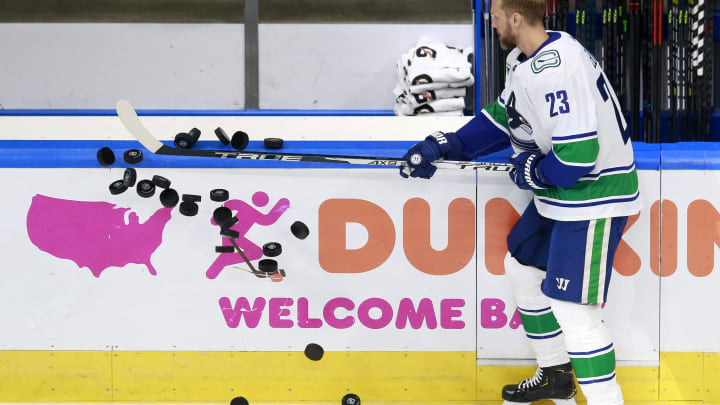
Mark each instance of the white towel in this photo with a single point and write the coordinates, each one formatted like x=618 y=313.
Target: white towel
x=420 y=88
x=443 y=105
x=429 y=95
x=438 y=53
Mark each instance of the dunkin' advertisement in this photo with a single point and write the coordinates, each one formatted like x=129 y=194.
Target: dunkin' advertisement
x=384 y=263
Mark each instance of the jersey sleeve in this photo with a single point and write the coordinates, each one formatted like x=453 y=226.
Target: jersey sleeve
x=565 y=101
x=486 y=133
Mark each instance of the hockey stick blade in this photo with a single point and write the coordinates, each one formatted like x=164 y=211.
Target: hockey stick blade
x=128 y=116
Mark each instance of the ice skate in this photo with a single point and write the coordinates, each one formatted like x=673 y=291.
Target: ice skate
x=555 y=383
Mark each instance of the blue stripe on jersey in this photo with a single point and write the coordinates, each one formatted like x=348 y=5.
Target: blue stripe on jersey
x=481 y=137
x=533 y=310
x=599 y=380
x=609 y=170
x=576 y=136
x=589 y=204
x=560 y=174
x=544 y=337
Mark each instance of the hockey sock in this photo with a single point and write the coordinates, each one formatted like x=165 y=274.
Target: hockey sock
x=591 y=351
x=543 y=331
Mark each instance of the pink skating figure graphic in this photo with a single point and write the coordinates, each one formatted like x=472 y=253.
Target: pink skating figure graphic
x=247 y=216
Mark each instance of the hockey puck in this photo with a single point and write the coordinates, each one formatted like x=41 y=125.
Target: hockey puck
x=222 y=136
x=224 y=249
x=232 y=234
x=272 y=249
x=129 y=177
x=273 y=143
x=219 y=195
x=299 y=229
x=222 y=214
x=229 y=223
x=240 y=140
x=169 y=197
x=314 y=351
x=105 y=156
x=268 y=265
x=160 y=181
x=187 y=140
x=191 y=198
x=239 y=401
x=188 y=209
x=133 y=156
x=117 y=187
x=351 y=399
x=145 y=188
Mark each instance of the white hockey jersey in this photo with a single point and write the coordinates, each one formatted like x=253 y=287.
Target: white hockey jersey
x=558 y=102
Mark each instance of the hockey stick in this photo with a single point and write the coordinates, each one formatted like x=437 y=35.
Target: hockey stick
x=132 y=123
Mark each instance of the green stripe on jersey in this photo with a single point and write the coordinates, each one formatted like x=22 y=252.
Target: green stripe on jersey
x=595 y=262
x=597 y=366
x=584 y=151
x=497 y=112
x=539 y=324
x=621 y=184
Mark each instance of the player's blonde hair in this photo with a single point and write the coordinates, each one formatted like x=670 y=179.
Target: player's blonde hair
x=532 y=10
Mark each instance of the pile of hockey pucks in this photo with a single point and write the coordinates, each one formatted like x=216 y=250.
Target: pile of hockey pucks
x=146 y=188
x=239 y=139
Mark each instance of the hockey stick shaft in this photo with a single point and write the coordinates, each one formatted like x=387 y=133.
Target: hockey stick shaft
x=132 y=123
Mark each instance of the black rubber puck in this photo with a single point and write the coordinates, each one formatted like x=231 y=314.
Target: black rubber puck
x=222 y=136
x=191 y=198
x=240 y=140
x=239 y=401
x=230 y=233
x=117 y=187
x=129 y=177
x=222 y=214
x=161 y=181
x=133 y=156
x=268 y=265
x=145 y=188
x=219 y=195
x=229 y=223
x=105 y=156
x=224 y=249
x=273 y=143
x=351 y=399
x=188 y=209
x=314 y=351
x=272 y=249
x=169 y=197
x=300 y=230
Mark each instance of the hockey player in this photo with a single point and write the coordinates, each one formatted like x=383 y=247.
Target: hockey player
x=572 y=150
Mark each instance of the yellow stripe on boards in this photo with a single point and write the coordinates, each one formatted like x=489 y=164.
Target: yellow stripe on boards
x=290 y=377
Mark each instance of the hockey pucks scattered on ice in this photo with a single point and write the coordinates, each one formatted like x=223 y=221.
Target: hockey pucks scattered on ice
x=300 y=230
x=219 y=195
x=188 y=209
x=240 y=140
x=224 y=249
x=273 y=143
x=239 y=401
x=133 y=156
x=272 y=249
x=169 y=197
x=129 y=177
x=191 y=198
x=222 y=214
x=268 y=265
x=222 y=136
x=314 y=351
x=230 y=233
x=105 y=156
x=117 y=187
x=351 y=399
x=145 y=188
x=161 y=181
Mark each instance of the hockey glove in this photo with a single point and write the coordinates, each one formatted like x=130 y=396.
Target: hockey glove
x=526 y=173
x=420 y=156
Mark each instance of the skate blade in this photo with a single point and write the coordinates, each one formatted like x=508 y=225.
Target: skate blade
x=570 y=401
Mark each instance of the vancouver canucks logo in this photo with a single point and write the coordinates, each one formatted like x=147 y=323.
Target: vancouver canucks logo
x=545 y=60
x=515 y=119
